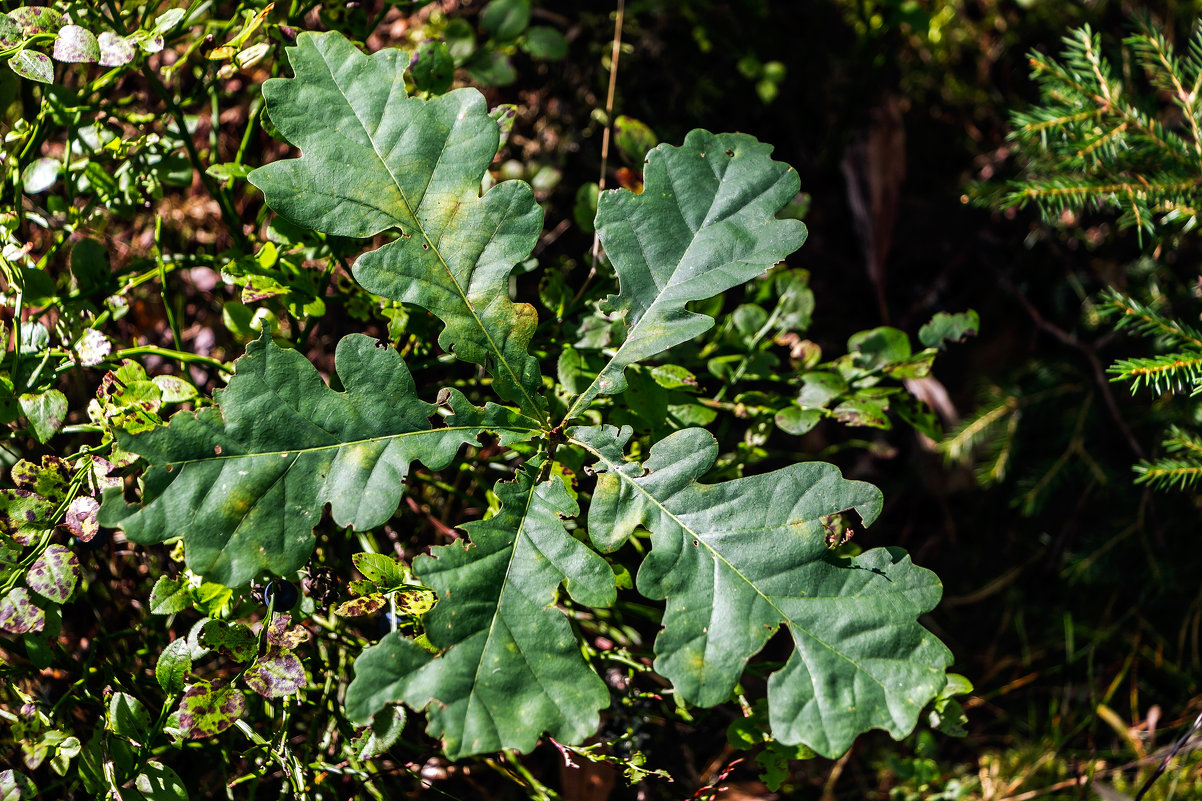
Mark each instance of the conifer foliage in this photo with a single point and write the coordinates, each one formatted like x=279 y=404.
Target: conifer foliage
x=1118 y=133
x=1093 y=141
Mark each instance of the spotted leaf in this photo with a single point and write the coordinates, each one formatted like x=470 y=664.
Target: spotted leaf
x=276 y=674
x=54 y=574
x=209 y=708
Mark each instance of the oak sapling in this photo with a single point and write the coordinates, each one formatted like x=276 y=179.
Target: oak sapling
x=499 y=664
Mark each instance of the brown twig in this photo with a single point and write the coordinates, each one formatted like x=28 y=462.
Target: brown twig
x=615 y=54
x=1099 y=373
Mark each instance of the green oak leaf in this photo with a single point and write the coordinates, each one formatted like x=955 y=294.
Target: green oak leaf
x=244 y=483
x=374 y=160
x=704 y=223
x=511 y=667
x=736 y=560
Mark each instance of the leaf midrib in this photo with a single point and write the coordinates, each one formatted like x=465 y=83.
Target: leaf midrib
x=585 y=398
x=718 y=556
x=500 y=356
x=284 y=452
x=518 y=534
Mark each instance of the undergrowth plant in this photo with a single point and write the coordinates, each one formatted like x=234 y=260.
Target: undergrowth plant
x=1122 y=134
x=529 y=526
x=1110 y=155
x=499 y=661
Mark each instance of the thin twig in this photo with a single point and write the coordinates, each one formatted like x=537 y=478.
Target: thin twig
x=615 y=54
x=1098 y=372
x=1164 y=763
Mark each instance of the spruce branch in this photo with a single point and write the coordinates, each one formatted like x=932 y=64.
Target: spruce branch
x=1092 y=142
x=1169 y=372
x=1142 y=319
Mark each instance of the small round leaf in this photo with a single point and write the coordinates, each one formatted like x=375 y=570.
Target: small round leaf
x=432 y=67
x=209 y=708
x=127 y=717
x=157 y=782
x=174 y=665
x=19 y=615
x=545 y=43
x=33 y=66
x=53 y=575
x=77 y=45
x=40 y=175
x=115 y=50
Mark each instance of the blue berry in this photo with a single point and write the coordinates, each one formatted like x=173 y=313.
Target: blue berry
x=284 y=593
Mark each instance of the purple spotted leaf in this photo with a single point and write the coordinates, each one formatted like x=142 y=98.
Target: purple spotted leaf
x=23 y=515
x=81 y=518
x=19 y=615
x=28 y=510
x=77 y=45
x=15 y=786
x=432 y=67
x=102 y=470
x=37 y=19
x=10 y=552
x=174 y=389
x=33 y=66
x=209 y=708
x=504 y=114
x=415 y=601
x=10 y=32
x=47 y=410
x=234 y=640
x=279 y=634
x=53 y=575
x=276 y=674
x=357 y=607
x=115 y=50
x=362 y=587
x=51 y=479
x=93 y=348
